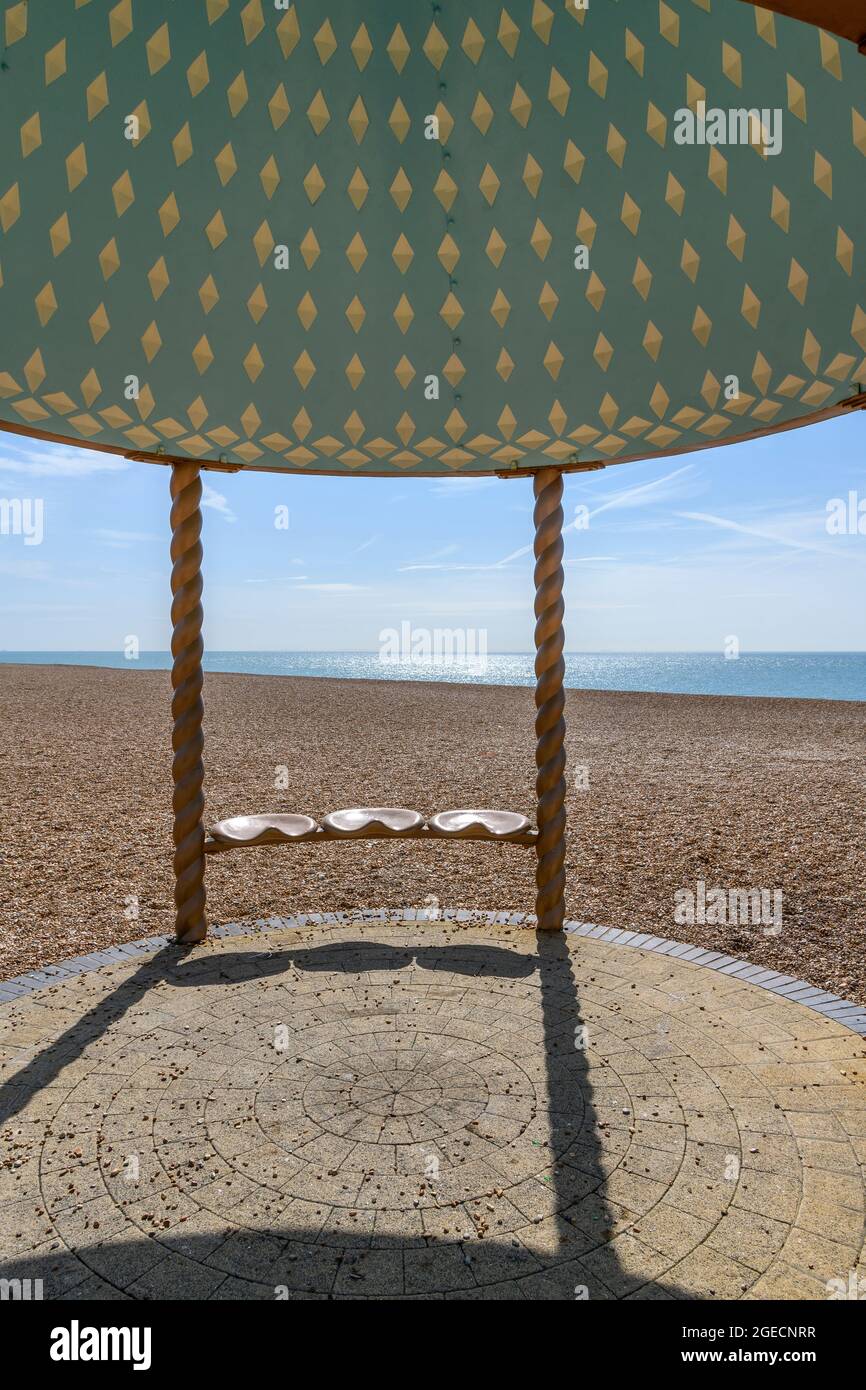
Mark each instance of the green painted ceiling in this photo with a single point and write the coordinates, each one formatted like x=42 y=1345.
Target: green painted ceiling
x=261 y=127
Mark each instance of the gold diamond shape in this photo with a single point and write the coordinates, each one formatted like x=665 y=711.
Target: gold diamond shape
x=445 y=190
x=399 y=121
x=553 y=360
x=314 y=184
x=452 y=310
x=198 y=74
x=482 y=113
x=109 y=262
x=60 y=235
x=750 y=307
x=448 y=253
x=397 y=49
x=270 y=177
x=508 y=34
x=325 y=42
x=288 y=31
x=304 y=369
x=595 y=291
x=541 y=240
x=532 y=175
x=652 y=341
x=401 y=189
x=252 y=20
x=521 y=106
x=495 y=247
x=202 y=355
x=55 y=62
x=263 y=242
x=310 y=249
x=279 y=108
x=473 y=42
x=226 y=164
x=798 y=281
x=489 y=184
x=402 y=254
x=361 y=48
x=151 y=341
x=630 y=214
x=317 y=112
x=257 y=304
x=355 y=372
x=216 y=231
x=702 y=326
x=435 y=47
x=558 y=92
x=169 y=215
x=181 y=145
x=253 y=363
x=157 y=276
x=404 y=372
x=356 y=252
x=403 y=314
x=504 y=365
x=356 y=314
x=597 y=76
x=574 y=161
x=208 y=293
x=603 y=352
x=616 y=146
x=122 y=193
x=307 y=311
x=500 y=308
x=237 y=94
x=548 y=300
x=31 y=135
x=357 y=189
x=358 y=120
x=158 y=49
x=97 y=96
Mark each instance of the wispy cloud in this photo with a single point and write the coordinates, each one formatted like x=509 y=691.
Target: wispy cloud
x=58 y=461
x=756 y=532
x=493 y=565
x=365 y=545
x=24 y=568
x=645 y=494
x=458 y=487
x=216 y=502
x=331 y=588
x=122 y=540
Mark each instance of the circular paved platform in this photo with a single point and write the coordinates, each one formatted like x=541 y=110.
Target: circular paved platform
x=427 y=1109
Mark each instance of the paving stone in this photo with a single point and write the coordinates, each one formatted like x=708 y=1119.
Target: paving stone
x=429 y=1129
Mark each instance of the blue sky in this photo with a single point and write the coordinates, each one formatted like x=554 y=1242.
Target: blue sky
x=679 y=553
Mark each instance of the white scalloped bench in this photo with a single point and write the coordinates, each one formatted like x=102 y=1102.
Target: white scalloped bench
x=370 y=823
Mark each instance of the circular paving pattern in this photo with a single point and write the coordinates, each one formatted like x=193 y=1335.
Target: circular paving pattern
x=427 y=1110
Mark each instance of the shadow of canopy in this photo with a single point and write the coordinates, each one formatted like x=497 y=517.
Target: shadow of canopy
x=278 y=1256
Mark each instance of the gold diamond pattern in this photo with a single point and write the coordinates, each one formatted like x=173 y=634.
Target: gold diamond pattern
x=457 y=195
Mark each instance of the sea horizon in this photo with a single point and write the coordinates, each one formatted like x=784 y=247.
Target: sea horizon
x=774 y=675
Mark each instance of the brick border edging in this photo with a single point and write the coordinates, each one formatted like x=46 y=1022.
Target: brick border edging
x=840 y=1010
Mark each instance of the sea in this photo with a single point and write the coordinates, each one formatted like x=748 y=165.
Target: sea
x=785 y=675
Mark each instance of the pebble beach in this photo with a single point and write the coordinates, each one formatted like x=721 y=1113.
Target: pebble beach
x=666 y=792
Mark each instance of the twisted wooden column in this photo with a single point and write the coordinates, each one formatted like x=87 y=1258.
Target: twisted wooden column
x=549 y=701
x=186 y=705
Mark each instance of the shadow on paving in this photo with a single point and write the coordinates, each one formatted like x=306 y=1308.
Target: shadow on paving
x=283 y=1261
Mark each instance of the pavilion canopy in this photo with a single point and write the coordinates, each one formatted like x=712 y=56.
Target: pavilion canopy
x=274 y=268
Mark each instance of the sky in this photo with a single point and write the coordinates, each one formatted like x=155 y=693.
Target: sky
x=679 y=554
